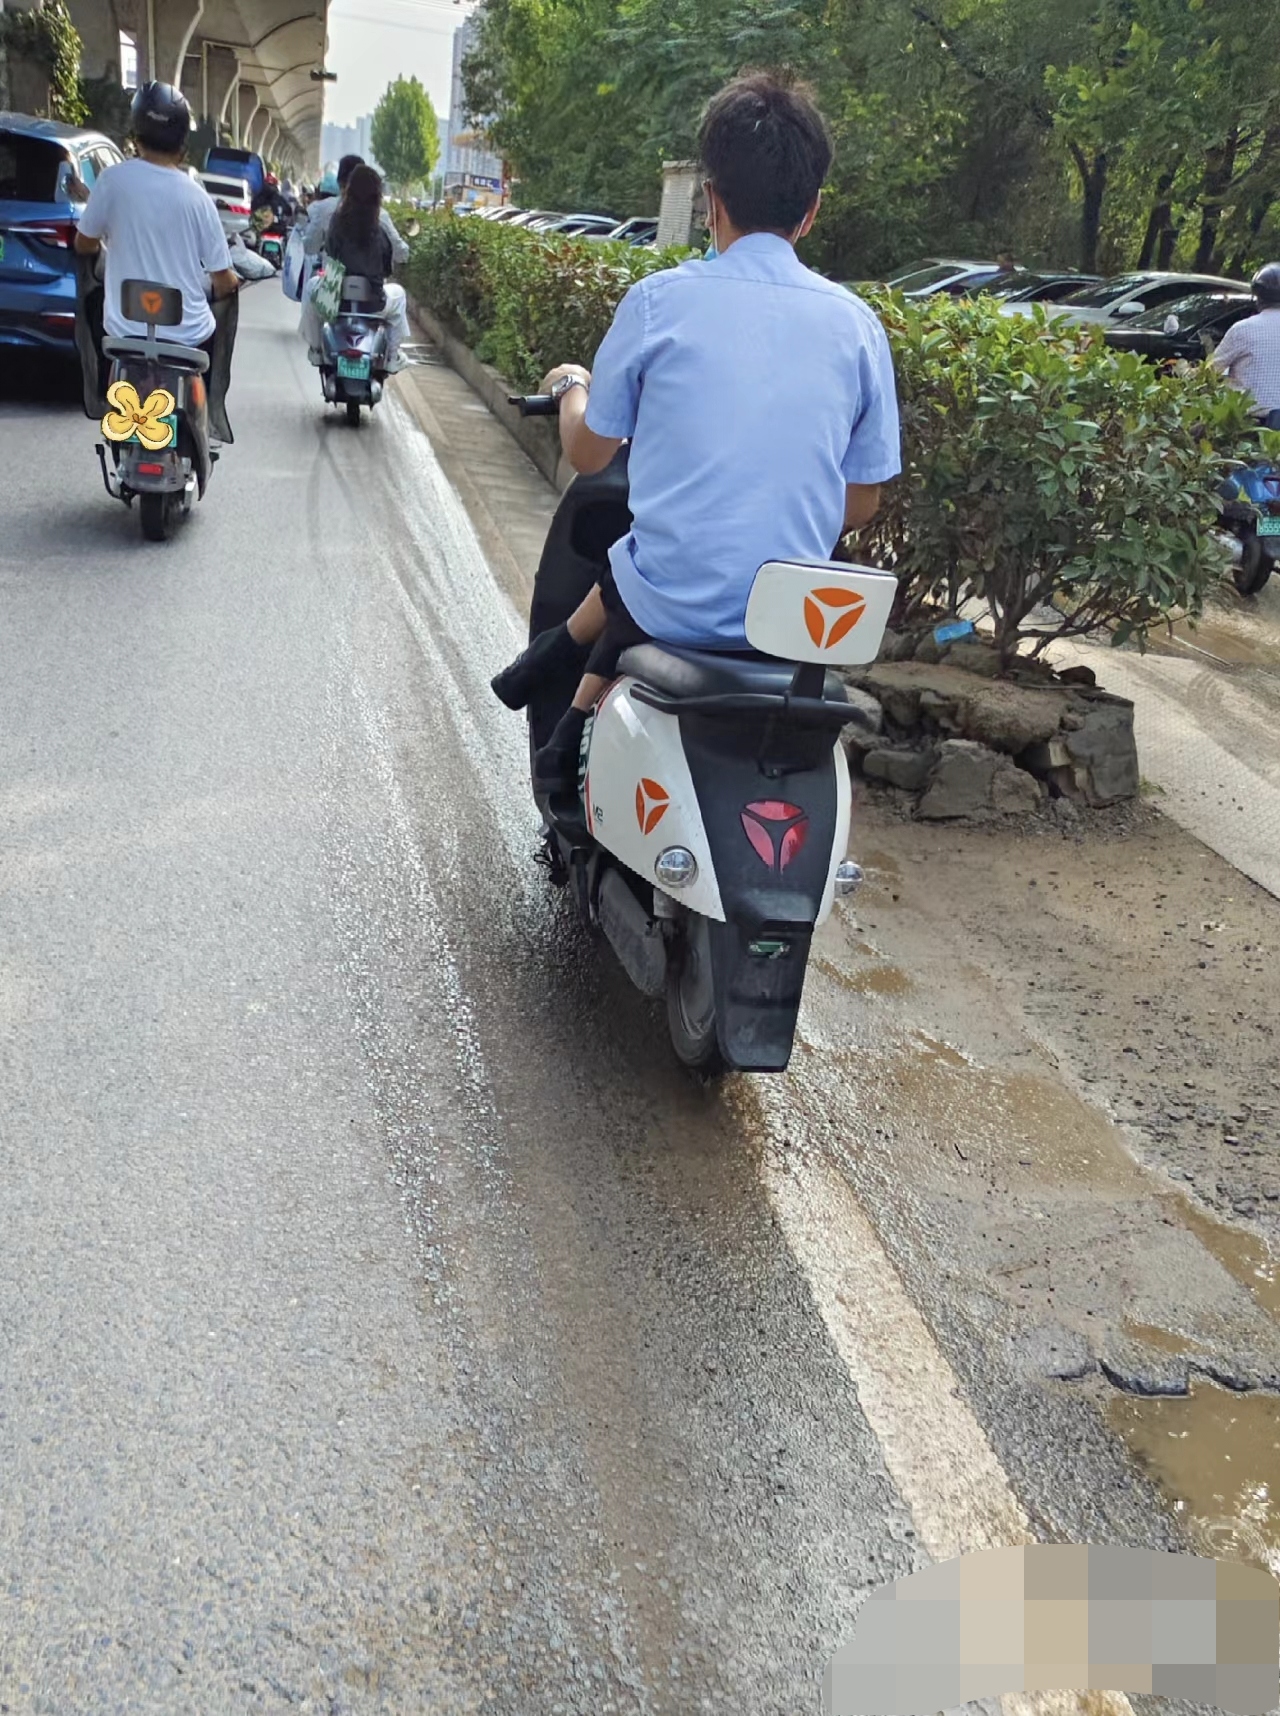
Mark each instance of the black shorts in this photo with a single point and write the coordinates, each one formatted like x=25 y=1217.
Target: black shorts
x=620 y=633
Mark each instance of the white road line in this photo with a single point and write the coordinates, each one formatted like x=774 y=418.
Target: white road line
x=935 y=1450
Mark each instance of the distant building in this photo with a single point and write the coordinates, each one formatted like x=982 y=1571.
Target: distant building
x=473 y=172
x=339 y=140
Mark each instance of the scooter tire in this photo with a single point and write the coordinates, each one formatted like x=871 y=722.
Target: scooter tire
x=158 y=515
x=691 y=1007
x=1255 y=565
x=353 y=414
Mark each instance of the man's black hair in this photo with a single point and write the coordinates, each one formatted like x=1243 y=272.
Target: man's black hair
x=346 y=166
x=765 y=149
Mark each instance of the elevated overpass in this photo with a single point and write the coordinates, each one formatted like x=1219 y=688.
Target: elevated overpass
x=245 y=65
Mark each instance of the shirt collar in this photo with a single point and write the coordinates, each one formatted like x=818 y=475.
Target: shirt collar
x=760 y=253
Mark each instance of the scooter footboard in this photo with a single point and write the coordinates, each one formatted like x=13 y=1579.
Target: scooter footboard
x=758 y=976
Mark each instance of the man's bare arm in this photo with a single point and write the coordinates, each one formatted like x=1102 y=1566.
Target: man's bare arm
x=861 y=504
x=586 y=451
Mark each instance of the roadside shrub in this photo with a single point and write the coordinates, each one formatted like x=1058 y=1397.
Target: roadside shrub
x=522 y=301
x=1041 y=468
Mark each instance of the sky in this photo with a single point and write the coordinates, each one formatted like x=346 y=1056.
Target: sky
x=372 y=42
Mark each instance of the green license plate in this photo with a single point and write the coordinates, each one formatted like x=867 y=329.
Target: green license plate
x=353 y=369
x=1269 y=526
x=1 y=247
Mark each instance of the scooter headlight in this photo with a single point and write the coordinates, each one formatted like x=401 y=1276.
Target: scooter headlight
x=676 y=867
x=849 y=878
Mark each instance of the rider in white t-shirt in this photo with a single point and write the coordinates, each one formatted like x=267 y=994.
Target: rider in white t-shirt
x=157 y=223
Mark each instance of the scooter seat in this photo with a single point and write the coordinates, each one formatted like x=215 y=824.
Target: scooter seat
x=676 y=671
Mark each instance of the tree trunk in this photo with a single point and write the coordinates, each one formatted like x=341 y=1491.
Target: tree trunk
x=1158 y=221
x=1219 y=166
x=1093 y=185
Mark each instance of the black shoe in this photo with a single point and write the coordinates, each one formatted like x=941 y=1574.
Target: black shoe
x=550 y=650
x=556 y=766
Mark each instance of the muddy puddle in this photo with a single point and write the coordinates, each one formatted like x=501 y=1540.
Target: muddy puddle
x=1214 y=1453
x=1217 y=1456
x=1234 y=635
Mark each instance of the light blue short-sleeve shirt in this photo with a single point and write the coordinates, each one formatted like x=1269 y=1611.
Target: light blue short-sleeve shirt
x=752 y=391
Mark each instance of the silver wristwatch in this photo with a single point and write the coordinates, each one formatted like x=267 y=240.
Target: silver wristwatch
x=561 y=387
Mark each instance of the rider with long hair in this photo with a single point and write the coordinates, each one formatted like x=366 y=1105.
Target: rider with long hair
x=357 y=238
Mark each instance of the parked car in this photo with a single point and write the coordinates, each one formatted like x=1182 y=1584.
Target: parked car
x=46 y=173
x=227 y=163
x=233 y=200
x=1035 y=286
x=581 y=226
x=938 y=275
x=1187 y=327
x=639 y=230
x=534 y=218
x=506 y=214
x=1128 y=295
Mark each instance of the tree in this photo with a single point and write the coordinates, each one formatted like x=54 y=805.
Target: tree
x=405 y=135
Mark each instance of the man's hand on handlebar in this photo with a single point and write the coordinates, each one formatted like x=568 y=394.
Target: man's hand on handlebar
x=560 y=371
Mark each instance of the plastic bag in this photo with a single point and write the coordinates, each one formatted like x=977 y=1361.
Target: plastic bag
x=294 y=272
x=327 y=296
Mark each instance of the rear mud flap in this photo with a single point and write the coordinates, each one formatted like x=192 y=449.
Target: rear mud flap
x=758 y=976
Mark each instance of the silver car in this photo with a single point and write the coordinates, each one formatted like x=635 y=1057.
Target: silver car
x=233 y=201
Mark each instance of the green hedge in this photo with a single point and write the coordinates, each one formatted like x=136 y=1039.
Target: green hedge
x=1041 y=468
x=524 y=302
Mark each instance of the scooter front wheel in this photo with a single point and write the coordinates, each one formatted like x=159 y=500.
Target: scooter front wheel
x=691 y=999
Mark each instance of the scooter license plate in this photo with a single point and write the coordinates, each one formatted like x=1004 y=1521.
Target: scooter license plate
x=357 y=369
x=1269 y=526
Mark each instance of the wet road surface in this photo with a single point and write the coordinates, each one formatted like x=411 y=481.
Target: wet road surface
x=385 y=1323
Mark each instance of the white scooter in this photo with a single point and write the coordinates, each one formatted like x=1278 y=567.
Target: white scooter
x=709 y=834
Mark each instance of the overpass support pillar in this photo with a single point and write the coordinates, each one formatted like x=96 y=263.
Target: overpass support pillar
x=244 y=106
x=98 y=28
x=219 y=69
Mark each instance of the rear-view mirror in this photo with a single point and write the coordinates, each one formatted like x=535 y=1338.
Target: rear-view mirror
x=1131 y=307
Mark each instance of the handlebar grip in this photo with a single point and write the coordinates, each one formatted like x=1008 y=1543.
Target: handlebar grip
x=535 y=404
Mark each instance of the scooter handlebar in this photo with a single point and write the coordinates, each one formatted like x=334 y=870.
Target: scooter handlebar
x=535 y=404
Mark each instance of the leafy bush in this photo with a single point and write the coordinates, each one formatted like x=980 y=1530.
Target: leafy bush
x=45 y=35
x=1041 y=468
x=522 y=300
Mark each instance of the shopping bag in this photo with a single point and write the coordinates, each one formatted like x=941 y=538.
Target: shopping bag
x=327 y=296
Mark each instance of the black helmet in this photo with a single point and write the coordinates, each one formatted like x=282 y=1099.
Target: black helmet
x=160 y=117
x=1266 y=285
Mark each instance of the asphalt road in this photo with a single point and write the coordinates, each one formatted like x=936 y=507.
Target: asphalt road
x=385 y=1323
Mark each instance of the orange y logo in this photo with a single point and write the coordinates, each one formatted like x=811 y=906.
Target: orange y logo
x=831 y=614
x=153 y=303
x=651 y=805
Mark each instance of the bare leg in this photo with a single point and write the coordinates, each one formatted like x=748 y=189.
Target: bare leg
x=589 y=692
x=588 y=621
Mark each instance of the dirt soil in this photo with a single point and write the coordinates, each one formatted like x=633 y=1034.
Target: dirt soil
x=1144 y=964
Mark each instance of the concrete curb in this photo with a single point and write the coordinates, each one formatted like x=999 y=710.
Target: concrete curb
x=537 y=437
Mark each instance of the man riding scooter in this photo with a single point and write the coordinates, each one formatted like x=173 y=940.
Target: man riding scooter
x=759 y=401
x=1249 y=352
x=154 y=222
x=1249 y=356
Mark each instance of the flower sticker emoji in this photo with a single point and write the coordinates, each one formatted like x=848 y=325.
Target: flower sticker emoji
x=132 y=419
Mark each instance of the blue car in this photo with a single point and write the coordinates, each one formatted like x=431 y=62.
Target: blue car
x=46 y=173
